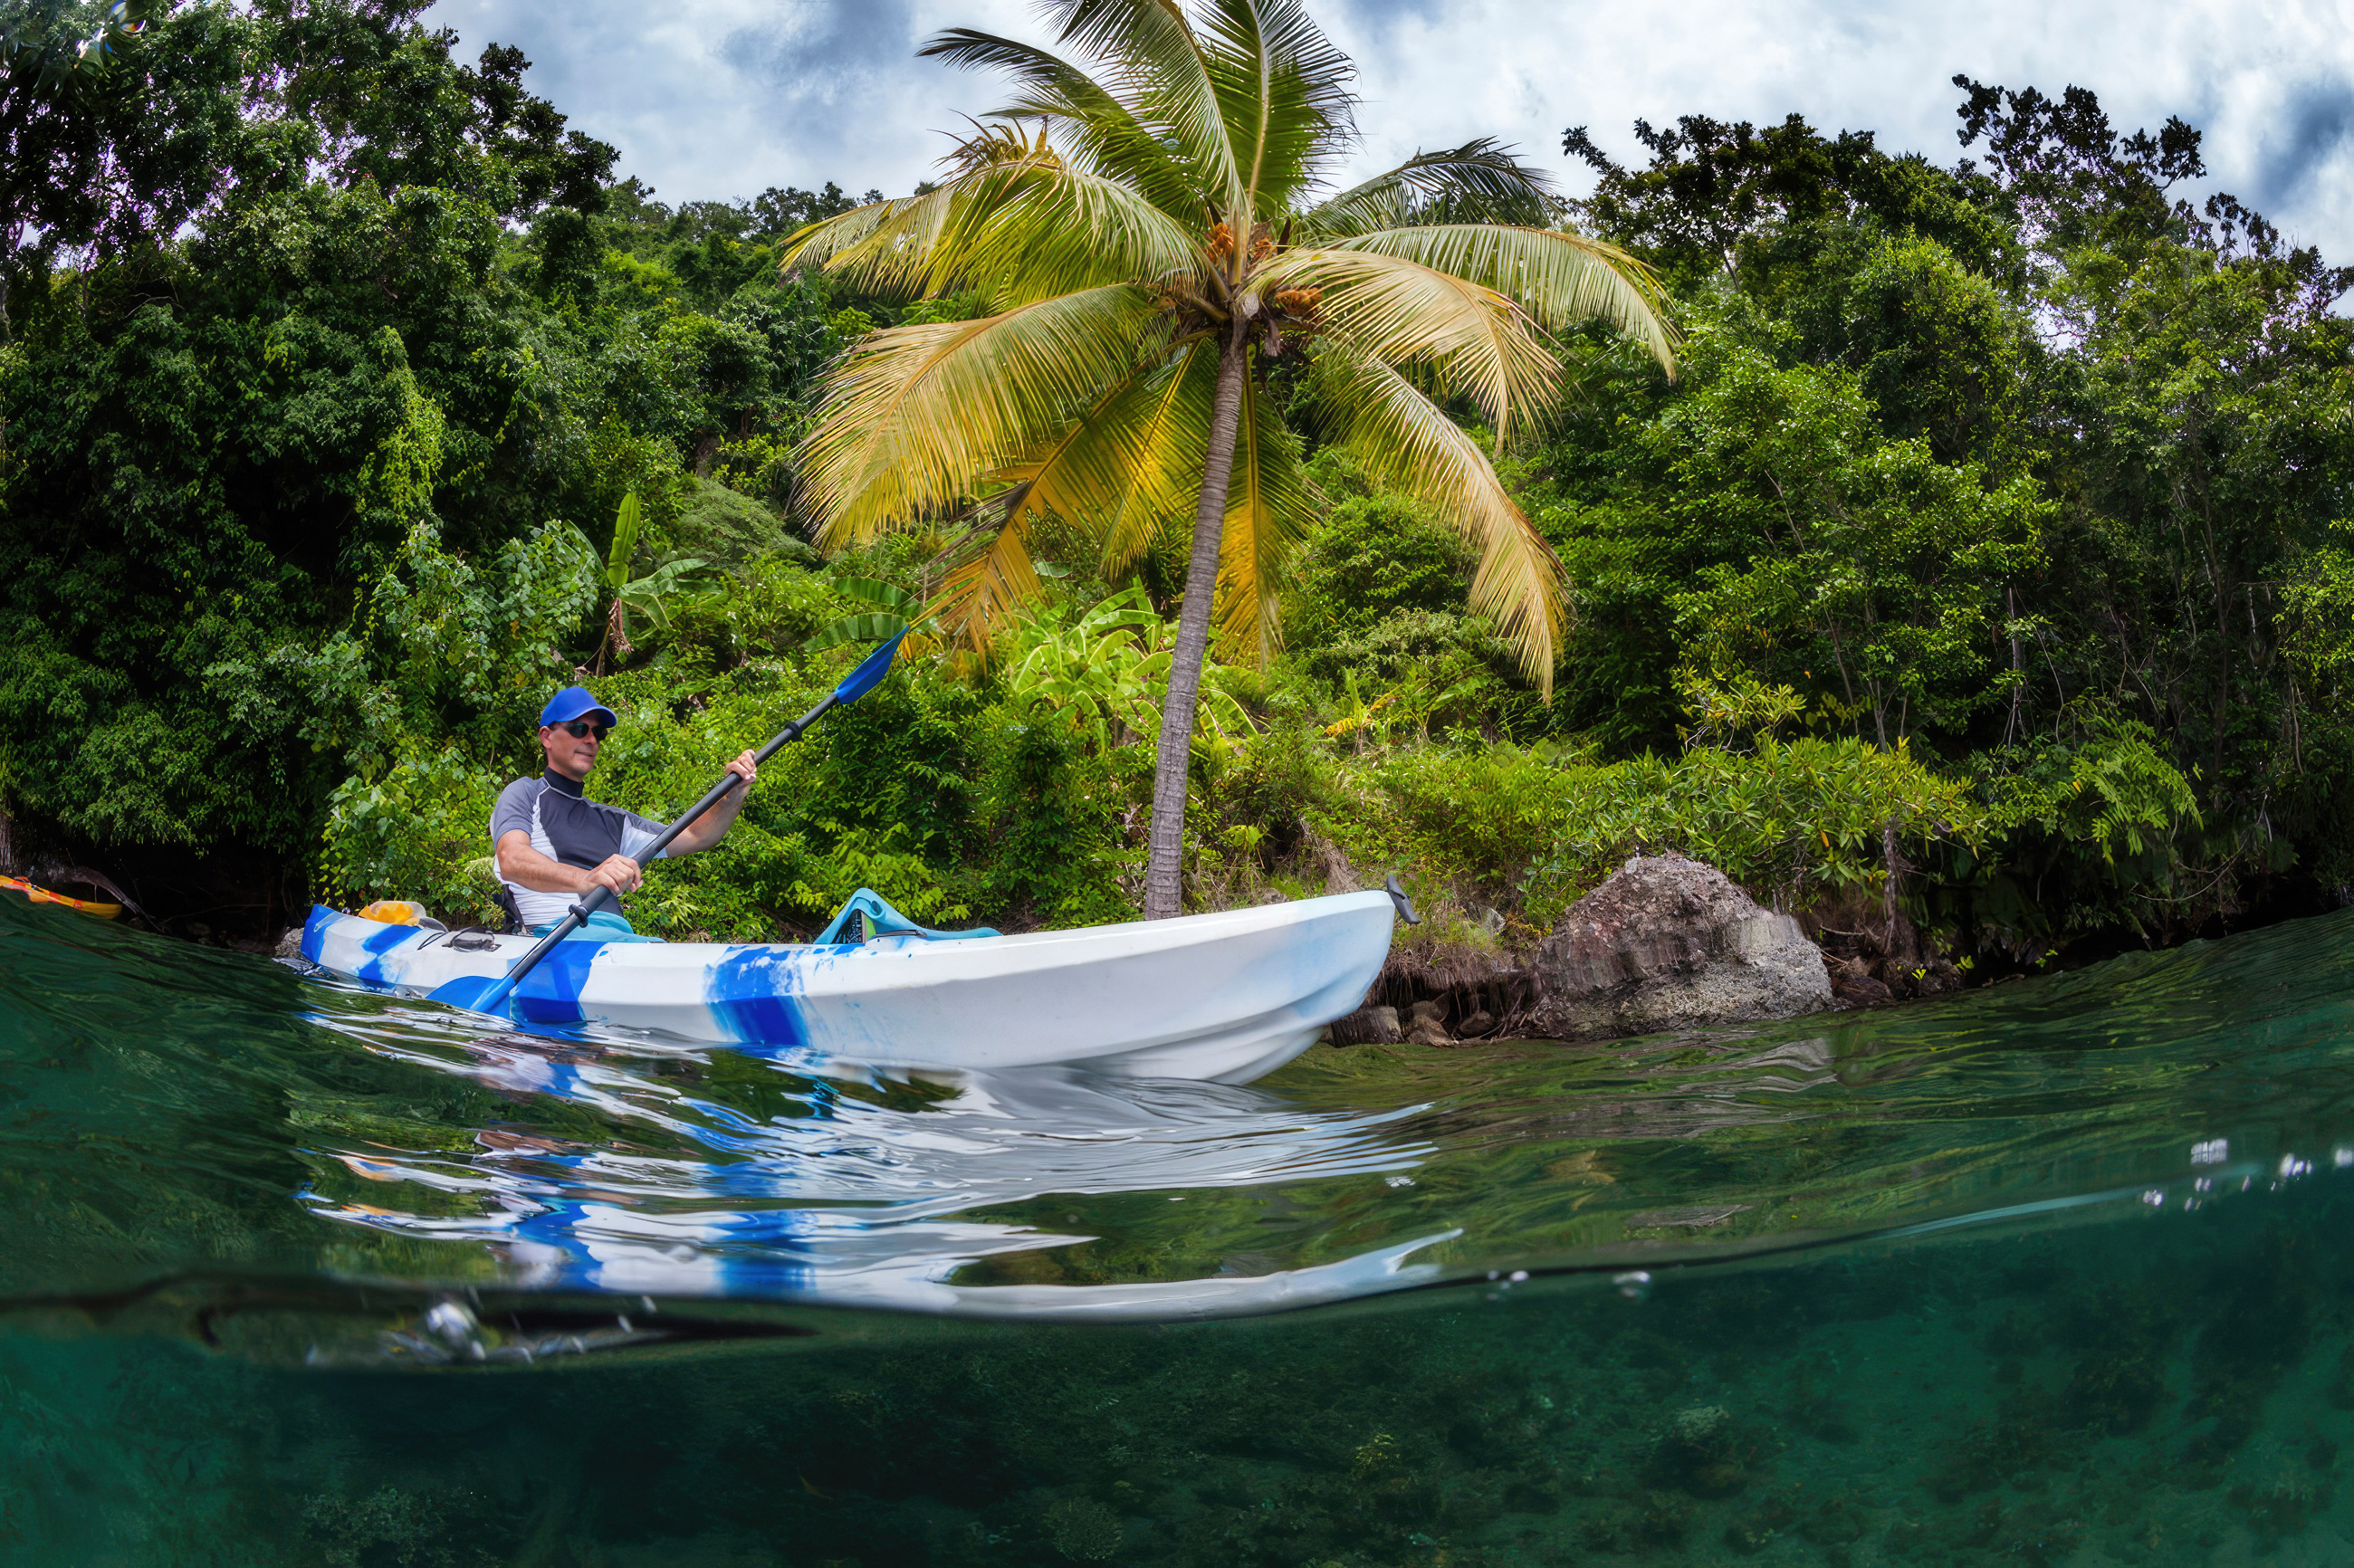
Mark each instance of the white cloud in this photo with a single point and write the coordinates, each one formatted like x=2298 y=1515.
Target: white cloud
x=722 y=97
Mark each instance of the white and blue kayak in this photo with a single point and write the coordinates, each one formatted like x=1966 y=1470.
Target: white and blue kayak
x=1225 y=997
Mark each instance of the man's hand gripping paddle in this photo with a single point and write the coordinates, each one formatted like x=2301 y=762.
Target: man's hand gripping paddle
x=485 y=994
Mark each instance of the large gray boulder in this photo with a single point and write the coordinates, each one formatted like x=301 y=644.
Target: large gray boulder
x=1671 y=943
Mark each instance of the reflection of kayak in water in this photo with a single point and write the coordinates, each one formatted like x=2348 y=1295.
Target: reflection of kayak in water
x=929 y=1203
x=43 y=895
x=1226 y=996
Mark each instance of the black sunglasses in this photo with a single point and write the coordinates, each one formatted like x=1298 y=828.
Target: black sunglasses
x=577 y=728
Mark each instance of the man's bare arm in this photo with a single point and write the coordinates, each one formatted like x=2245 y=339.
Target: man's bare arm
x=519 y=863
x=708 y=829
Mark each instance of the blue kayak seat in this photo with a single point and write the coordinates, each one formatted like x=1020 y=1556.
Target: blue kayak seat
x=877 y=918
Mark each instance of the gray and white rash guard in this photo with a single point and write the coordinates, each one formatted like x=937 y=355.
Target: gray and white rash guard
x=566 y=826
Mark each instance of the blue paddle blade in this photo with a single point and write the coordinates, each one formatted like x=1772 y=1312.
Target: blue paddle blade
x=870 y=671
x=469 y=991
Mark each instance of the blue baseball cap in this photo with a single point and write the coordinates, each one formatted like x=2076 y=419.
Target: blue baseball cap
x=572 y=703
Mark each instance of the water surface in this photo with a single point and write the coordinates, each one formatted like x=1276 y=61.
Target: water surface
x=2052 y=1272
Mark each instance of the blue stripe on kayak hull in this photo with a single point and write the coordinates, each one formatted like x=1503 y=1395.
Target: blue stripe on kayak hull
x=750 y=992
x=551 y=992
x=382 y=942
x=314 y=930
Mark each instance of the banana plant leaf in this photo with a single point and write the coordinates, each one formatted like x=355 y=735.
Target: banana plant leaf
x=626 y=523
x=871 y=627
x=654 y=595
x=880 y=593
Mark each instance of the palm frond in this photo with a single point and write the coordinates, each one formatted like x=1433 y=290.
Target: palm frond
x=1017 y=223
x=1560 y=278
x=1057 y=229
x=1118 y=471
x=910 y=245
x=1483 y=181
x=1123 y=472
x=1088 y=116
x=1283 y=92
x=1268 y=512
x=1158 y=71
x=1131 y=471
x=915 y=416
x=1170 y=440
x=1408 y=443
x=1477 y=342
x=984 y=591
x=884 y=248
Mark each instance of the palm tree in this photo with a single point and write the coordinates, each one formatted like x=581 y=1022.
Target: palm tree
x=1150 y=226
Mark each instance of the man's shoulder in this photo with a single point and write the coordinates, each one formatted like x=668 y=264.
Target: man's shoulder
x=515 y=807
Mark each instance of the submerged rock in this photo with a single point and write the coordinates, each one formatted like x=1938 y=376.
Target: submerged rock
x=1368 y=1026
x=1426 y=1024
x=1671 y=943
x=1861 y=989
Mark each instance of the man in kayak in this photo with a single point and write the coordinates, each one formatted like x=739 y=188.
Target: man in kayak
x=554 y=844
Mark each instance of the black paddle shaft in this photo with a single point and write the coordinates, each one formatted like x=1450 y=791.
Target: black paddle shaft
x=578 y=914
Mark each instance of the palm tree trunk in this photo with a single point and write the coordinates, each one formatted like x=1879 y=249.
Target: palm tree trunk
x=1163 y=886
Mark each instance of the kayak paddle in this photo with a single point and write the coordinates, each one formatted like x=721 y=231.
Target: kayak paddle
x=485 y=994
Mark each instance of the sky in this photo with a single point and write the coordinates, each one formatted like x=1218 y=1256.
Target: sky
x=722 y=99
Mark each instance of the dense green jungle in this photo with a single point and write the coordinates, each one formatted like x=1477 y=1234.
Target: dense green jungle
x=1984 y=583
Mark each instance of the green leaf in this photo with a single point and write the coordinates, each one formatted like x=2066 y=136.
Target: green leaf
x=652 y=595
x=880 y=593
x=872 y=627
x=625 y=542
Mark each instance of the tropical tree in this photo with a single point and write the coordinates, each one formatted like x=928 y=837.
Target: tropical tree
x=1151 y=225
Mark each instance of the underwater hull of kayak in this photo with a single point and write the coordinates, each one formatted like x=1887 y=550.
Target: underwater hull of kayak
x=1225 y=997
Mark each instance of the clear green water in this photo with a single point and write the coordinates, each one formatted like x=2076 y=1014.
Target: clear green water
x=2054 y=1273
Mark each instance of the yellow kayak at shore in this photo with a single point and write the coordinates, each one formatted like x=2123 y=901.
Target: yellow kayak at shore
x=43 y=895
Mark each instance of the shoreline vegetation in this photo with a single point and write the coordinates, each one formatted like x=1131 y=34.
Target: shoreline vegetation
x=1981 y=590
